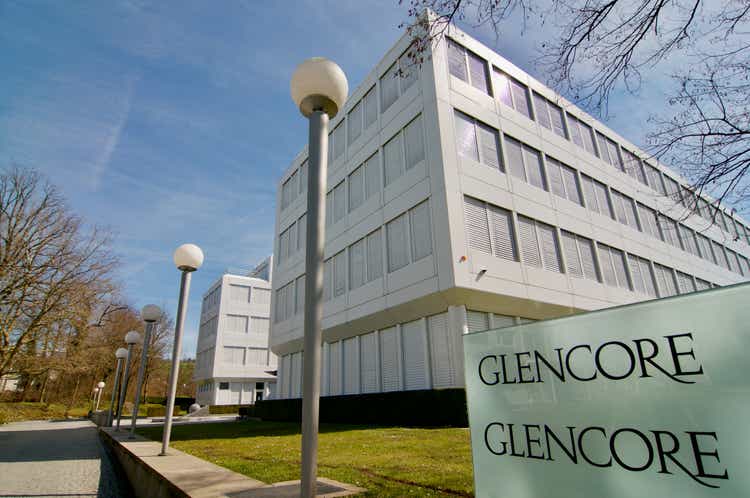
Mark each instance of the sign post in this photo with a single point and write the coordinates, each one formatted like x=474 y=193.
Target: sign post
x=649 y=399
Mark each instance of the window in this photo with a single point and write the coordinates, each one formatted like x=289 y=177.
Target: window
x=563 y=181
x=721 y=257
x=579 y=256
x=625 y=209
x=301 y=232
x=234 y=355
x=643 y=276
x=299 y=303
x=236 y=323
x=649 y=221
x=393 y=156
x=669 y=231
x=477 y=141
x=354 y=122
x=336 y=204
x=370 y=101
x=654 y=179
x=597 y=198
x=327 y=279
x=665 y=280
x=374 y=255
x=489 y=229
x=525 y=163
x=633 y=167
x=356 y=188
x=549 y=115
x=303 y=176
x=685 y=283
x=372 y=176
x=673 y=189
x=421 y=231
x=704 y=245
x=256 y=356
x=239 y=293
x=339 y=274
x=223 y=386
x=539 y=244
x=467 y=66
x=613 y=267
x=259 y=325
x=396 y=231
x=260 y=296
x=414 y=140
x=357 y=270
x=609 y=151
x=395 y=82
x=581 y=134
x=289 y=190
x=513 y=93
x=687 y=237
x=389 y=87
x=284 y=303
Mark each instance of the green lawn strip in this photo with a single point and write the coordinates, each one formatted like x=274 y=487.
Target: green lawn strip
x=20 y=411
x=388 y=461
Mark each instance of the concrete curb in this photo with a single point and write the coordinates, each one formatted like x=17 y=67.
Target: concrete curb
x=179 y=475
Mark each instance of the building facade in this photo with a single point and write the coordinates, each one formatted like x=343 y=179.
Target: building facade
x=465 y=195
x=233 y=362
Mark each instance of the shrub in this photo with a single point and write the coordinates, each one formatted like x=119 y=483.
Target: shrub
x=428 y=408
x=156 y=400
x=247 y=411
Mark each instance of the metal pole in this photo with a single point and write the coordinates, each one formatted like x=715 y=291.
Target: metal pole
x=124 y=386
x=174 y=371
x=98 y=398
x=316 y=191
x=141 y=374
x=114 y=391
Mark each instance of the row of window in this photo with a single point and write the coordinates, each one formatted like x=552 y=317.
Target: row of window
x=203 y=359
x=472 y=69
x=420 y=354
x=408 y=238
x=514 y=237
x=400 y=154
x=395 y=82
x=238 y=356
x=208 y=327
x=481 y=143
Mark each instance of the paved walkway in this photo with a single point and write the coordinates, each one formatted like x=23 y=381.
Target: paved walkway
x=56 y=459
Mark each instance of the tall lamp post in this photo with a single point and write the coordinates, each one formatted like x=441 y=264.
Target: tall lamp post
x=150 y=314
x=319 y=88
x=100 y=385
x=120 y=354
x=131 y=339
x=187 y=258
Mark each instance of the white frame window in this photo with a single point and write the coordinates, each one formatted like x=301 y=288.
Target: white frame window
x=524 y=162
x=468 y=67
x=512 y=93
x=478 y=141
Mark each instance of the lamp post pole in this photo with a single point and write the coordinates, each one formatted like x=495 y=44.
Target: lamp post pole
x=119 y=354
x=131 y=338
x=150 y=313
x=187 y=258
x=319 y=88
x=100 y=385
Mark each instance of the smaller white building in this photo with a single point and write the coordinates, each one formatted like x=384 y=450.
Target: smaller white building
x=233 y=363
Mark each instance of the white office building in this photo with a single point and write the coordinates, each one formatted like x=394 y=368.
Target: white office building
x=233 y=362
x=465 y=195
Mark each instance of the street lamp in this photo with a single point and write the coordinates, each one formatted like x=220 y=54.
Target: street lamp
x=187 y=258
x=93 y=399
x=120 y=354
x=150 y=314
x=319 y=88
x=131 y=339
x=100 y=386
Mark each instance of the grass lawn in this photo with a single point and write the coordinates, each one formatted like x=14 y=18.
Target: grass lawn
x=392 y=461
x=17 y=412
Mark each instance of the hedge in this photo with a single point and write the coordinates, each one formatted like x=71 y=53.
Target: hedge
x=428 y=408
x=183 y=402
x=247 y=411
x=223 y=409
x=160 y=411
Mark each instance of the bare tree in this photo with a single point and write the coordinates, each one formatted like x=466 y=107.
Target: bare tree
x=53 y=271
x=598 y=46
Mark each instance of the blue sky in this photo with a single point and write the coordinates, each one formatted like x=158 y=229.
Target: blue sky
x=171 y=122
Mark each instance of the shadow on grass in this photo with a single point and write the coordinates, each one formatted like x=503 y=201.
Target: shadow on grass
x=251 y=428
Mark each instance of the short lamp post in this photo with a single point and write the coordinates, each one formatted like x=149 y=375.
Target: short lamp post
x=319 y=88
x=187 y=258
x=150 y=314
x=100 y=386
x=120 y=354
x=131 y=339
x=93 y=399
